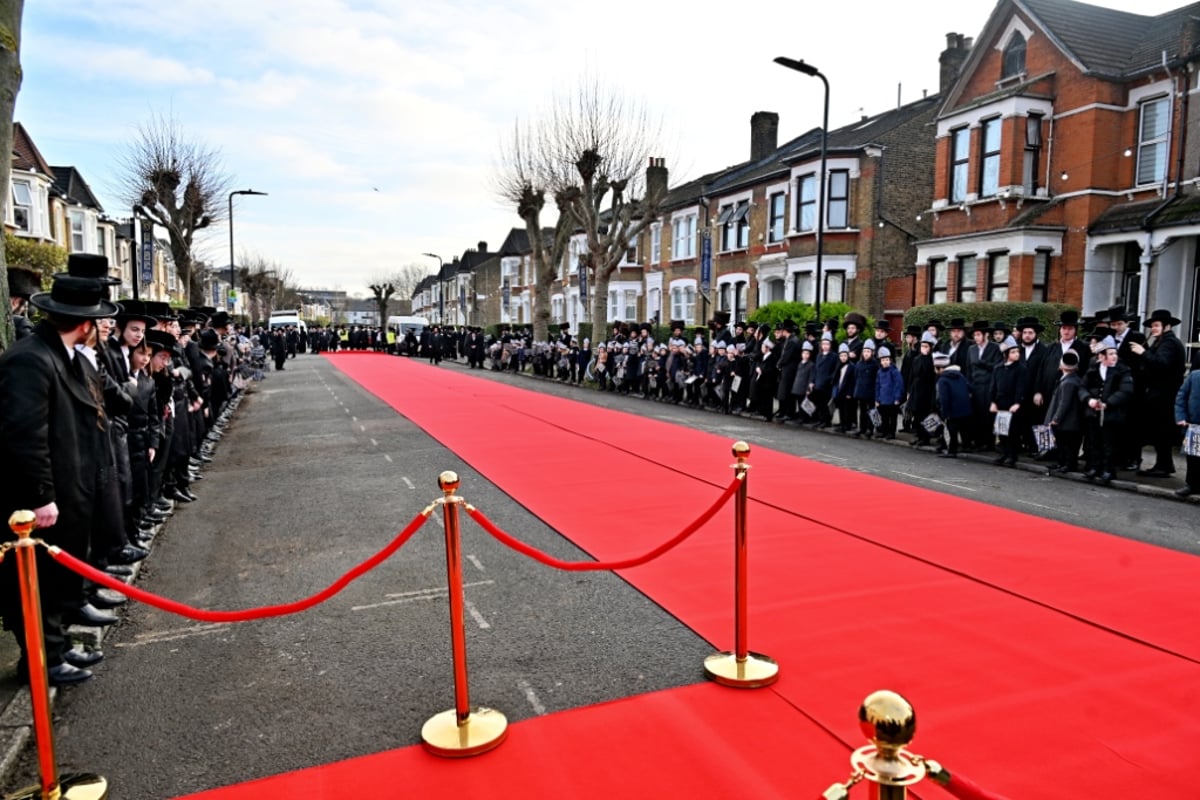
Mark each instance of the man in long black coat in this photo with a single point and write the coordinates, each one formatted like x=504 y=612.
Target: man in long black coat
x=788 y=350
x=1163 y=361
x=53 y=436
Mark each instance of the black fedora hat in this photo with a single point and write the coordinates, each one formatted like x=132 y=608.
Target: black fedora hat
x=883 y=325
x=957 y=323
x=1117 y=314
x=1068 y=317
x=160 y=311
x=1162 y=315
x=134 y=310
x=1029 y=322
x=23 y=282
x=1001 y=325
x=912 y=330
x=935 y=323
x=76 y=297
x=209 y=339
x=981 y=325
x=160 y=340
x=88 y=265
x=219 y=319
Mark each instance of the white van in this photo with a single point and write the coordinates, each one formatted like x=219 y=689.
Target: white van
x=281 y=319
x=402 y=325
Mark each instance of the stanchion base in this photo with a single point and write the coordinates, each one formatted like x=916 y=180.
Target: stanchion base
x=83 y=786
x=483 y=730
x=756 y=671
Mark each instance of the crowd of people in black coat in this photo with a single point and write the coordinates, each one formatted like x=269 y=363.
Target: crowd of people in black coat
x=107 y=413
x=1102 y=397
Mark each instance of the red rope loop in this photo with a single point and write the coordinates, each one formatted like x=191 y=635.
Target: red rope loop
x=589 y=566
x=104 y=579
x=962 y=788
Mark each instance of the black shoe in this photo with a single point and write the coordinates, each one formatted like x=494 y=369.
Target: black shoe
x=105 y=598
x=120 y=570
x=1000 y=461
x=183 y=496
x=1057 y=469
x=83 y=658
x=1105 y=478
x=63 y=674
x=89 y=615
x=1154 y=473
x=1186 y=491
x=129 y=554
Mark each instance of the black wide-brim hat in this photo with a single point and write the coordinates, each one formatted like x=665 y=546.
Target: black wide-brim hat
x=1029 y=322
x=883 y=325
x=219 y=319
x=1068 y=317
x=71 y=296
x=981 y=325
x=957 y=323
x=209 y=339
x=160 y=311
x=134 y=310
x=936 y=323
x=855 y=318
x=23 y=282
x=160 y=340
x=1162 y=315
x=88 y=265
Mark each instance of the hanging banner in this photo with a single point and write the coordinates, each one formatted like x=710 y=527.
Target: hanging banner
x=705 y=262
x=462 y=301
x=147 y=262
x=504 y=294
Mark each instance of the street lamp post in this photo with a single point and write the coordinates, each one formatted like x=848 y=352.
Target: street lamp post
x=232 y=273
x=438 y=283
x=813 y=72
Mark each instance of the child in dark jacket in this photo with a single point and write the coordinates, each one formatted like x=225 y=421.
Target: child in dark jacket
x=864 y=388
x=844 y=389
x=889 y=392
x=1064 y=414
x=953 y=401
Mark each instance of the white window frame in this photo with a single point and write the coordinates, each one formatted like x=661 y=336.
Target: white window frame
x=1159 y=143
x=772 y=236
x=76 y=224
x=683 y=299
x=683 y=239
x=16 y=203
x=656 y=243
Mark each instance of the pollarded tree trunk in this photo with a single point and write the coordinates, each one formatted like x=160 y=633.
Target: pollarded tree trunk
x=10 y=84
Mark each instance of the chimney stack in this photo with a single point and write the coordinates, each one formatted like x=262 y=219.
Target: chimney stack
x=764 y=134
x=958 y=47
x=483 y=247
x=656 y=179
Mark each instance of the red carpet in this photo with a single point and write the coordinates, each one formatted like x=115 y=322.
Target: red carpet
x=1045 y=661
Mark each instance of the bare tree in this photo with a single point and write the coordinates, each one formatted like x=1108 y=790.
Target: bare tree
x=179 y=184
x=267 y=285
x=588 y=153
x=10 y=84
x=406 y=278
x=382 y=291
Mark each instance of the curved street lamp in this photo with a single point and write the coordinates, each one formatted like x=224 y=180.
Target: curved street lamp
x=232 y=273
x=813 y=72
x=438 y=283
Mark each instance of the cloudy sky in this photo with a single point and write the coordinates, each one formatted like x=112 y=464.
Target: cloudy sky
x=375 y=125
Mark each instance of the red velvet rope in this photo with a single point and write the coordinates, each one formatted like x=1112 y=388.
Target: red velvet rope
x=104 y=579
x=588 y=566
x=964 y=789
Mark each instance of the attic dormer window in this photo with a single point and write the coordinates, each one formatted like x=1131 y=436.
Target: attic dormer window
x=1014 y=57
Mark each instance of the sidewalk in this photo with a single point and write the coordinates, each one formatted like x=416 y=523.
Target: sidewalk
x=16 y=728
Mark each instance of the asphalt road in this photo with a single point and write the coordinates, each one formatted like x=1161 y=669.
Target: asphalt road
x=315 y=476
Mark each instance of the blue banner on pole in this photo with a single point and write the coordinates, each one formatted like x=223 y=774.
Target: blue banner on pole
x=504 y=294
x=147 y=262
x=705 y=262
x=216 y=294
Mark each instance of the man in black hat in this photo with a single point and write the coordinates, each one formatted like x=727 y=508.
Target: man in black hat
x=719 y=325
x=22 y=284
x=956 y=345
x=52 y=423
x=983 y=356
x=788 y=353
x=854 y=324
x=1163 y=360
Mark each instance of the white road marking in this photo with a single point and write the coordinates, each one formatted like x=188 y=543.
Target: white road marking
x=362 y=428
x=435 y=593
x=353 y=419
x=346 y=410
x=407 y=482
x=474 y=560
x=1048 y=508
x=932 y=480
x=475 y=615
x=832 y=458
x=174 y=635
x=389 y=458
x=375 y=443
x=538 y=708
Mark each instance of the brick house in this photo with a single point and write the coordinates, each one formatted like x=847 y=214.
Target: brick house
x=1063 y=172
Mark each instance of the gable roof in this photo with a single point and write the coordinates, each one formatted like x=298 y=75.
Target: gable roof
x=1102 y=42
x=69 y=184
x=517 y=241
x=26 y=156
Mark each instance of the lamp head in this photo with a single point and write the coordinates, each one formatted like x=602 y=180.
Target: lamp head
x=799 y=66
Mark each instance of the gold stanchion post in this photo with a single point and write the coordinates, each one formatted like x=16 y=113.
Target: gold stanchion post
x=741 y=668
x=461 y=731
x=72 y=787
x=888 y=720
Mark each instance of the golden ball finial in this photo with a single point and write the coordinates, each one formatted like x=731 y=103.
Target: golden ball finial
x=448 y=481
x=21 y=522
x=741 y=450
x=887 y=719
